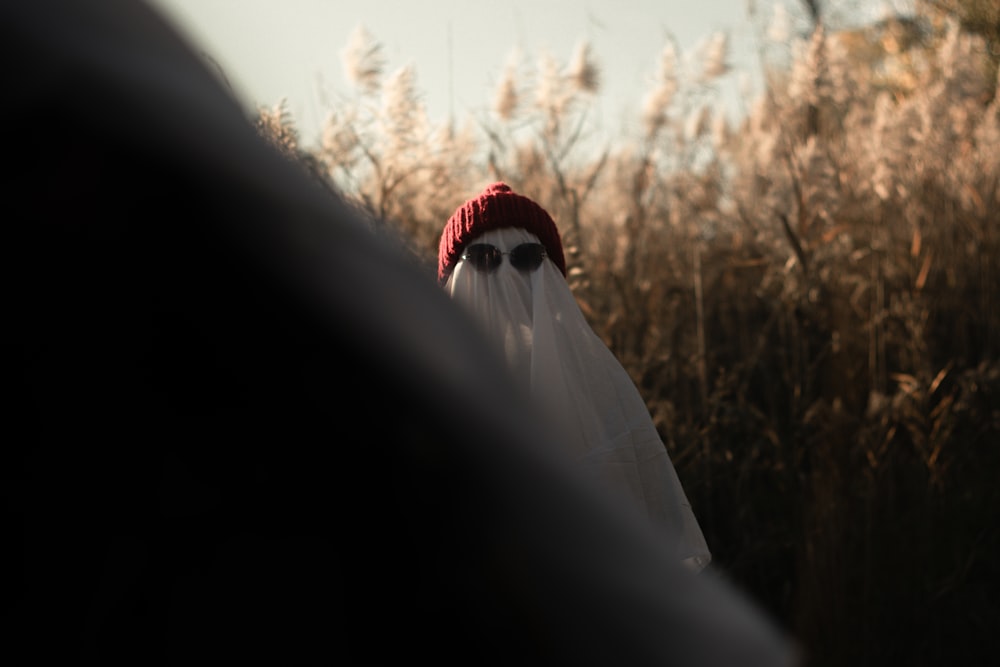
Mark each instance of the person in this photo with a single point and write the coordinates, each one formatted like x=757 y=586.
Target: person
x=501 y=257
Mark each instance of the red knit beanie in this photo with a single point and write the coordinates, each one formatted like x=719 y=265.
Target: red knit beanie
x=496 y=207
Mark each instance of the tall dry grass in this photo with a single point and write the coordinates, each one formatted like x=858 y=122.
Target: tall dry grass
x=808 y=301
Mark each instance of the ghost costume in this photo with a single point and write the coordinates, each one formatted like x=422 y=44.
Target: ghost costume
x=554 y=353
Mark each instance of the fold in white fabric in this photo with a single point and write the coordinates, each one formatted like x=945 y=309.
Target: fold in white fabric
x=554 y=353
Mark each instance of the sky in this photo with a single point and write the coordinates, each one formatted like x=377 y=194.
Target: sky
x=274 y=50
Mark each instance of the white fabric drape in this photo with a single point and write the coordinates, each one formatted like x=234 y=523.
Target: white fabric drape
x=554 y=353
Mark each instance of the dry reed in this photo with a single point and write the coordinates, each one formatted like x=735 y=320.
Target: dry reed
x=809 y=302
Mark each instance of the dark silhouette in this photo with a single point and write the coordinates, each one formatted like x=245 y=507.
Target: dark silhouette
x=243 y=429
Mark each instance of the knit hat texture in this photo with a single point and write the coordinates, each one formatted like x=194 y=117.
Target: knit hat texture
x=496 y=207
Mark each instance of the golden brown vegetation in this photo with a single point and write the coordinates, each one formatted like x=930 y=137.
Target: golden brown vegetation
x=808 y=301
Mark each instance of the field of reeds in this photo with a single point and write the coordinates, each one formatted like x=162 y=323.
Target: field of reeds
x=809 y=301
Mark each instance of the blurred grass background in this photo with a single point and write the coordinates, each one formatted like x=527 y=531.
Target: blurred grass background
x=807 y=300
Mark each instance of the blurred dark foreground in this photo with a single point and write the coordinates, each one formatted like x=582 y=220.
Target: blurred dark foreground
x=243 y=429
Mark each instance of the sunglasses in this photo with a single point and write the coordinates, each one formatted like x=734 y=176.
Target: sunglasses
x=487 y=258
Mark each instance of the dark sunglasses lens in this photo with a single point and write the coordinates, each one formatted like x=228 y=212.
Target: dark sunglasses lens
x=483 y=257
x=527 y=256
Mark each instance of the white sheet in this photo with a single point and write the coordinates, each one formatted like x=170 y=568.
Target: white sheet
x=553 y=352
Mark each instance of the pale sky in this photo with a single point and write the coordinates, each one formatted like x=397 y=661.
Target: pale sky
x=290 y=49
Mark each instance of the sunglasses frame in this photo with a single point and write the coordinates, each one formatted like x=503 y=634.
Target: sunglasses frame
x=490 y=260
